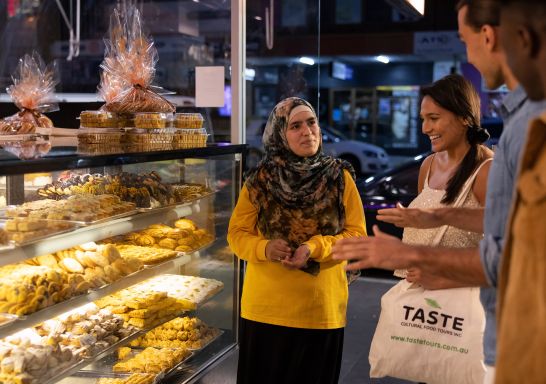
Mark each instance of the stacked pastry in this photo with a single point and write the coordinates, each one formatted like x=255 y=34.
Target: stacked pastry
x=182 y=332
x=24 y=361
x=24 y=229
x=98 y=119
x=85 y=208
x=87 y=331
x=188 y=192
x=139 y=308
x=139 y=189
x=98 y=265
x=152 y=360
x=100 y=132
x=25 y=289
x=185 y=236
x=188 y=291
x=188 y=120
x=190 y=132
x=151 y=132
x=145 y=255
x=145 y=190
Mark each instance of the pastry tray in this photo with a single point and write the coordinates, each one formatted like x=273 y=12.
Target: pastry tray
x=45 y=310
x=6 y=248
x=218 y=333
x=69 y=227
x=167 y=206
x=7 y=318
x=177 y=204
x=198 y=248
x=153 y=265
x=81 y=223
x=197 y=305
x=148 y=264
x=105 y=365
x=116 y=345
x=130 y=275
x=104 y=219
x=84 y=361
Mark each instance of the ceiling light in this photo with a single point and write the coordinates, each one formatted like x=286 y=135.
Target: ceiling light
x=259 y=18
x=419 y=5
x=306 y=60
x=383 y=59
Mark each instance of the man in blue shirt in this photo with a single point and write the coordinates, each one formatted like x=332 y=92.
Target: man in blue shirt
x=445 y=267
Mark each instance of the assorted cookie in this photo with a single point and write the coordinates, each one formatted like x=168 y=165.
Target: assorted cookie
x=23 y=359
x=86 y=331
x=152 y=360
x=182 y=332
x=24 y=229
x=183 y=236
x=141 y=309
x=25 y=289
x=98 y=265
x=81 y=208
x=145 y=190
x=188 y=291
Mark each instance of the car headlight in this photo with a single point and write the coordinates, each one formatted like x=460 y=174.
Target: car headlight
x=370 y=154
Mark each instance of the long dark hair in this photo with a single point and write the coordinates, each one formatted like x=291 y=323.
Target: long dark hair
x=458 y=95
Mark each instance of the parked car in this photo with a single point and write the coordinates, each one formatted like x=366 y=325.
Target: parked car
x=365 y=158
x=384 y=190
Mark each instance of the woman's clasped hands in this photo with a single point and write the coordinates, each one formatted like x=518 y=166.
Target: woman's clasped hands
x=279 y=251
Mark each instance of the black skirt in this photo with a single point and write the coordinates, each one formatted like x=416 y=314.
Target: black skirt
x=271 y=354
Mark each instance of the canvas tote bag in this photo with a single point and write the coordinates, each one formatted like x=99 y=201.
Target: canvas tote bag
x=432 y=336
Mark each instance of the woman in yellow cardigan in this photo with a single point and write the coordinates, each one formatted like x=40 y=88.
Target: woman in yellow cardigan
x=291 y=210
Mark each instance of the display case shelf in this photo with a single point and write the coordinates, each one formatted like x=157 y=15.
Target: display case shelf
x=97 y=232
x=69 y=158
x=62 y=307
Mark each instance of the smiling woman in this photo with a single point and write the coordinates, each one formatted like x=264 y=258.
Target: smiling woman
x=453 y=177
x=450 y=110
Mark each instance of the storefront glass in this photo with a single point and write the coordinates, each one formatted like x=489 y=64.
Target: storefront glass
x=187 y=35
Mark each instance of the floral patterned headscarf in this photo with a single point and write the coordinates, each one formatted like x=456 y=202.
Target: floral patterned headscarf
x=296 y=197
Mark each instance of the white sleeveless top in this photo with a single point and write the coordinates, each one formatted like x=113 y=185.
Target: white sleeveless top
x=453 y=237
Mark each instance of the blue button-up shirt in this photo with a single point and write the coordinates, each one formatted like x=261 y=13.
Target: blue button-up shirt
x=516 y=113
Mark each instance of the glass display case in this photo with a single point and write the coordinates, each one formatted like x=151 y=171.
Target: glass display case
x=115 y=268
